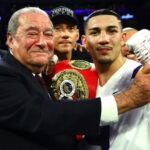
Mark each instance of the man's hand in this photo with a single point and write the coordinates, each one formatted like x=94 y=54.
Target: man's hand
x=138 y=94
x=140 y=44
x=78 y=46
x=49 y=67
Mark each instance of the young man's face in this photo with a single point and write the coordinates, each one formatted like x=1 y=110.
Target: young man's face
x=66 y=35
x=33 y=43
x=103 y=38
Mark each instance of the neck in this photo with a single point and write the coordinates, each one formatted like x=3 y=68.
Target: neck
x=35 y=69
x=63 y=56
x=105 y=71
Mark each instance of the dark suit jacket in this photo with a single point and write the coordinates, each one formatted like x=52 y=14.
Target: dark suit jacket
x=30 y=120
x=3 y=52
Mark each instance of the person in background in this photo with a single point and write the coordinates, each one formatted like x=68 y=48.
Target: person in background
x=125 y=50
x=140 y=45
x=104 y=39
x=66 y=35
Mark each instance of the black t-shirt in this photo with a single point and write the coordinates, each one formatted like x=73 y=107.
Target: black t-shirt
x=84 y=55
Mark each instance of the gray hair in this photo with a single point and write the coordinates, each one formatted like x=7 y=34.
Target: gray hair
x=13 y=22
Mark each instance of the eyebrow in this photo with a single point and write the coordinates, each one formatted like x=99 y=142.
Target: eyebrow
x=94 y=28
x=37 y=29
x=108 y=27
x=113 y=26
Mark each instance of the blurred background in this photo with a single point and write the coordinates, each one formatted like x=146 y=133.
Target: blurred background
x=134 y=13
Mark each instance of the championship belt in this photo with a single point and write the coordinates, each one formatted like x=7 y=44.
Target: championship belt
x=74 y=79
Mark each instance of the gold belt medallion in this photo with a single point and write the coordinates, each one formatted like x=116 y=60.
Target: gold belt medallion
x=80 y=64
x=69 y=84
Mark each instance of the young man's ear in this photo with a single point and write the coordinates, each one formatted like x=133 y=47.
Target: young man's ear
x=124 y=39
x=83 y=39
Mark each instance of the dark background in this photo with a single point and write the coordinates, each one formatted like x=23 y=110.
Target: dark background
x=139 y=8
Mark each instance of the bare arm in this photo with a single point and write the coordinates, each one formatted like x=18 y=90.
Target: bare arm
x=138 y=94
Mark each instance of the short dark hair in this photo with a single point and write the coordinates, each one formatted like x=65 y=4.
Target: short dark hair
x=102 y=12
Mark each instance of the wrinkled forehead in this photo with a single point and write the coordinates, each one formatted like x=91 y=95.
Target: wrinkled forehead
x=34 y=18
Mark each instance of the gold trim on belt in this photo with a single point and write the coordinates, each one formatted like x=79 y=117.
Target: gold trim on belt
x=70 y=84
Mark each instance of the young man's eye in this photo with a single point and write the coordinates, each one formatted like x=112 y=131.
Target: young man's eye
x=93 y=33
x=112 y=31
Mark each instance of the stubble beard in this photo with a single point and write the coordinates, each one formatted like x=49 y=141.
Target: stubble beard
x=105 y=62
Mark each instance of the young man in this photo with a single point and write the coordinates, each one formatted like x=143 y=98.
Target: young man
x=30 y=119
x=66 y=34
x=104 y=39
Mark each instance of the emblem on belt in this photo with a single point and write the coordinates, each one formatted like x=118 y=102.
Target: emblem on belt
x=69 y=84
x=80 y=64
